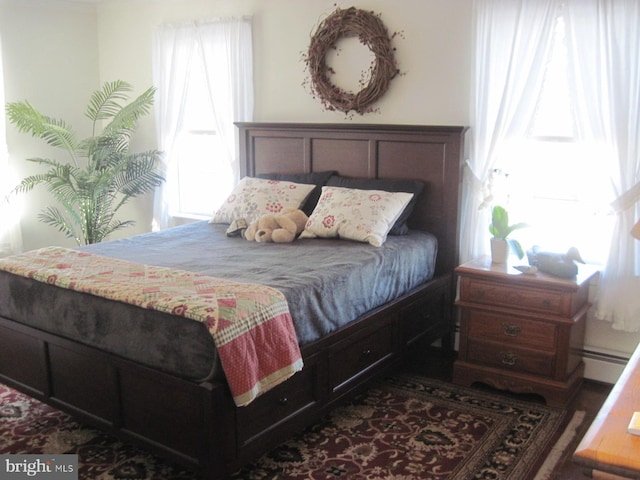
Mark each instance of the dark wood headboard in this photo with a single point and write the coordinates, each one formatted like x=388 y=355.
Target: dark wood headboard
x=432 y=154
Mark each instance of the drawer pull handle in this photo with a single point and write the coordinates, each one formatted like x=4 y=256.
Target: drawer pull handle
x=367 y=352
x=511 y=330
x=283 y=401
x=508 y=358
x=480 y=293
x=546 y=302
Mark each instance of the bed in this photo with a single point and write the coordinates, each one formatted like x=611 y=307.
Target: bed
x=174 y=397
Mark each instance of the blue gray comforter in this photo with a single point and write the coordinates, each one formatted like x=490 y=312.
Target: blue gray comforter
x=327 y=283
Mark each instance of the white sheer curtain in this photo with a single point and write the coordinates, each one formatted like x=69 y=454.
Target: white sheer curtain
x=513 y=39
x=172 y=56
x=604 y=49
x=226 y=49
x=227 y=55
x=10 y=238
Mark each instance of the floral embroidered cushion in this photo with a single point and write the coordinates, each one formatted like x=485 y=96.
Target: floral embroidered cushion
x=353 y=214
x=254 y=197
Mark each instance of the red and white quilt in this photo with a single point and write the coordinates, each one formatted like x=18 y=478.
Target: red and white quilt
x=250 y=323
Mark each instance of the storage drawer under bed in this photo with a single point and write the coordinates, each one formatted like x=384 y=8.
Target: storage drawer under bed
x=280 y=404
x=356 y=355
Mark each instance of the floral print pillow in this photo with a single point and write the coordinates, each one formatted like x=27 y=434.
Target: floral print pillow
x=254 y=197
x=353 y=214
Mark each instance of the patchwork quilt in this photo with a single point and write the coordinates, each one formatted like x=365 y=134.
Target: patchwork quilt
x=250 y=323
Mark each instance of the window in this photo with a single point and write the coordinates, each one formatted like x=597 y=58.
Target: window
x=556 y=119
x=552 y=180
x=203 y=75
x=203 y=174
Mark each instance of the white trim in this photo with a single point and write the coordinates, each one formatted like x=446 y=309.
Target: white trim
x=602 y=366
x=556 y=453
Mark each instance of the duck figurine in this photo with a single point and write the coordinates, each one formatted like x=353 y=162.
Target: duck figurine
x=558 y=264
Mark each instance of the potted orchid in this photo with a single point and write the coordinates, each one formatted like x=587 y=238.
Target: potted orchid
x=500 y=229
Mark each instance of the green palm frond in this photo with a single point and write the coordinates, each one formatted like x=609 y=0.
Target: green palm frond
x=140 y=175
x=53 y=217
x=53 y=131
x=114 y=226
x=98 y=150
x=47 y=161
x=51 y=177
x=104 y=104
x=113 y=142
x=29 y=183
x=124 y=121
x=90 y=195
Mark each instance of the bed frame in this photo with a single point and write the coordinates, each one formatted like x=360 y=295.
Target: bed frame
x=198 y=425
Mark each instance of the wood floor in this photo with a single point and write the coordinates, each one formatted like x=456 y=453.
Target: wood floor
x=589 y=399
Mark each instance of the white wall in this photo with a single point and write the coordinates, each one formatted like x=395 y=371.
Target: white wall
x=50 y=55
x=434 y=54
x=606 y=350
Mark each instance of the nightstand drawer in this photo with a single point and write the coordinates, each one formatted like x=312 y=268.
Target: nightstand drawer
x=507 y=357
x=522 y=298
x=511 y=330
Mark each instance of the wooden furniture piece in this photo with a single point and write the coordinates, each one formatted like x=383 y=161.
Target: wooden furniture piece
x=520 y=332
x=607 y=447
x=197 y=424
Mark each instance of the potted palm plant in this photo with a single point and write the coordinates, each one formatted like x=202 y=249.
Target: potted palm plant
x=102 y=175
x=500 y=229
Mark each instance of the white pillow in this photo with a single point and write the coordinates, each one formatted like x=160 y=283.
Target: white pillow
x=362 y=215
x=254 y=197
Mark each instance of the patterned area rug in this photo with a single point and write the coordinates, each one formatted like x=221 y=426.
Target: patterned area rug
x=405 y=427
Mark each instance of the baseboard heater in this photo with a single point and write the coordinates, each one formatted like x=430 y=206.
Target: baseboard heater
x=602 y=366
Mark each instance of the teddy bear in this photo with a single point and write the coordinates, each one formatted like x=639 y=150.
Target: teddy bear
x=277 y=227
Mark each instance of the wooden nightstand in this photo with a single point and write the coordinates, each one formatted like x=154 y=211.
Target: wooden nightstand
x=522 y=333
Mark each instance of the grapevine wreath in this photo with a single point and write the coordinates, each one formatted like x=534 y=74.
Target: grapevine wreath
x=372 y=33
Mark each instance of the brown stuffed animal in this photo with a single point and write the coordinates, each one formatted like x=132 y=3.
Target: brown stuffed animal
x=278 y=228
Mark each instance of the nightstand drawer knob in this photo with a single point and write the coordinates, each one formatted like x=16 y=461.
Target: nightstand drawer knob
x=511 y=330
x=546 y=302
x=508 y=358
